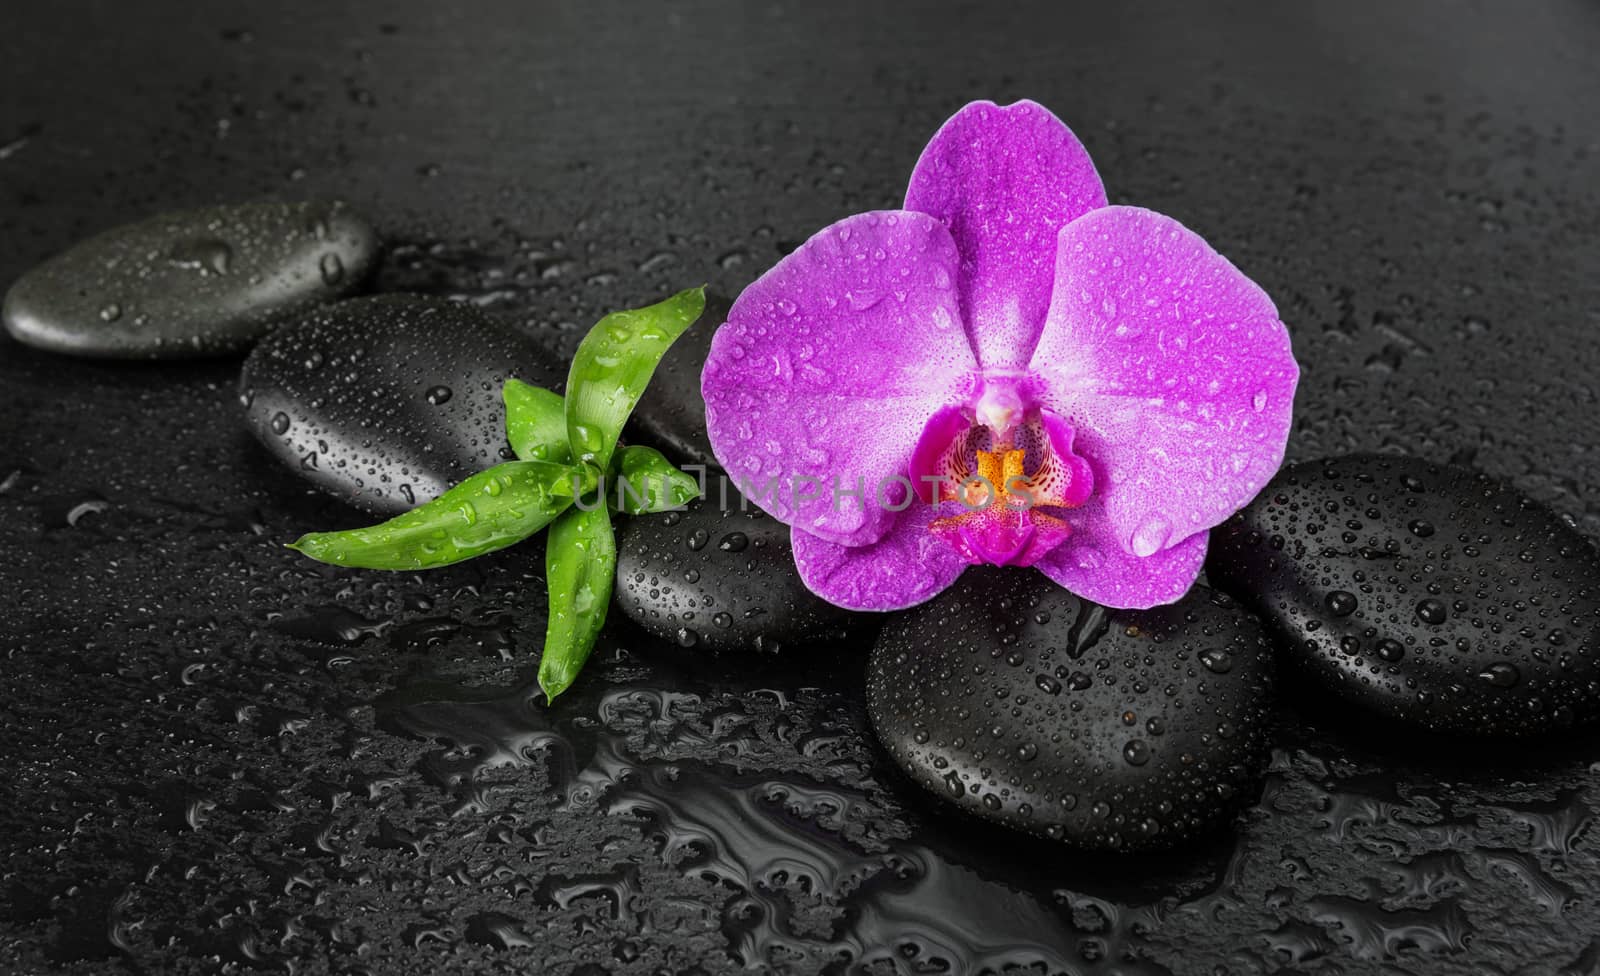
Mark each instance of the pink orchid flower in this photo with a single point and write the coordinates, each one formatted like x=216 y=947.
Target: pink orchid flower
x=1005 y=371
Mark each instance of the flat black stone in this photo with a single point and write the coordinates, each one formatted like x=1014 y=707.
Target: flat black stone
x=1111 y=729
x=191 y=283
x=387 y=401
x=1432 y=594
x=672 y=414
x=721 y=578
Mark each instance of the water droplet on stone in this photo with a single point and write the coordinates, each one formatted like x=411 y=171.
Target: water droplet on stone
x=1501 y=674
x=1340 y=603
x=332 y=268
x=208 y=255
x=1431 y=611
x=1390 y=650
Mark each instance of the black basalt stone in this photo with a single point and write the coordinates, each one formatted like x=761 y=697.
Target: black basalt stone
x=1431 y=594
x=1108 y=729
x=191 y=283
x=387 y=401
x=721 y=578
x=672 y=414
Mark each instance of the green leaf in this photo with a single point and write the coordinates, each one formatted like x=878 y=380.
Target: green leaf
x=536 y=422
x=490 y=510
x=580 y=566
x=612 y=367
x=644 y=481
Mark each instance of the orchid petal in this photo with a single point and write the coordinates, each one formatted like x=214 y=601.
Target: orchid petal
x=907 y=566
x=1174 y=371
x=1093 y=564
x=1006 y=179
x=829 y=367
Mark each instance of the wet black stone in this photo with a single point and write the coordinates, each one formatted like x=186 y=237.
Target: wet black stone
x=720 y=578
x=1431 y=594
x=1028 y=707
x=672 y=414
x=191 y=283
x=387 y=401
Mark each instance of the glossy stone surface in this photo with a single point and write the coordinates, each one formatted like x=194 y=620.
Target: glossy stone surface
x=721 y=577
x=387 y=401
x=672 y=414
x=1431 y=594
x=1028 y=707
x=191 y=283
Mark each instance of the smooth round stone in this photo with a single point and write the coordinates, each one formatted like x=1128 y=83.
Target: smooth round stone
x=387 y=401
x=721 y=579
x=672 y=414
x=1431 y=594
x=191 y=283
x=1108 y=729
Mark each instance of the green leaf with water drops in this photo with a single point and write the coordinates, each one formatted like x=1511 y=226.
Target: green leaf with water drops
x=613 y=365
x=643 y=481
x=536 y=422
x=488 y=511
x=580 y=564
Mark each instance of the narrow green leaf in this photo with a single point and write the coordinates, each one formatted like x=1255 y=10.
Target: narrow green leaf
x=644 y=481
x=613 y=365
x=580 y=565
x=490 y=510
x=536 y=422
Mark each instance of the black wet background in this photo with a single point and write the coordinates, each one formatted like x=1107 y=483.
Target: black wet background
x=217 y=755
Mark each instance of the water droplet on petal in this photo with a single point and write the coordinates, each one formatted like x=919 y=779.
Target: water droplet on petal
x=1150 y=537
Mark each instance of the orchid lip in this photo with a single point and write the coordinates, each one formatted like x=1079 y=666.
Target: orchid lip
x=1010 y=470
